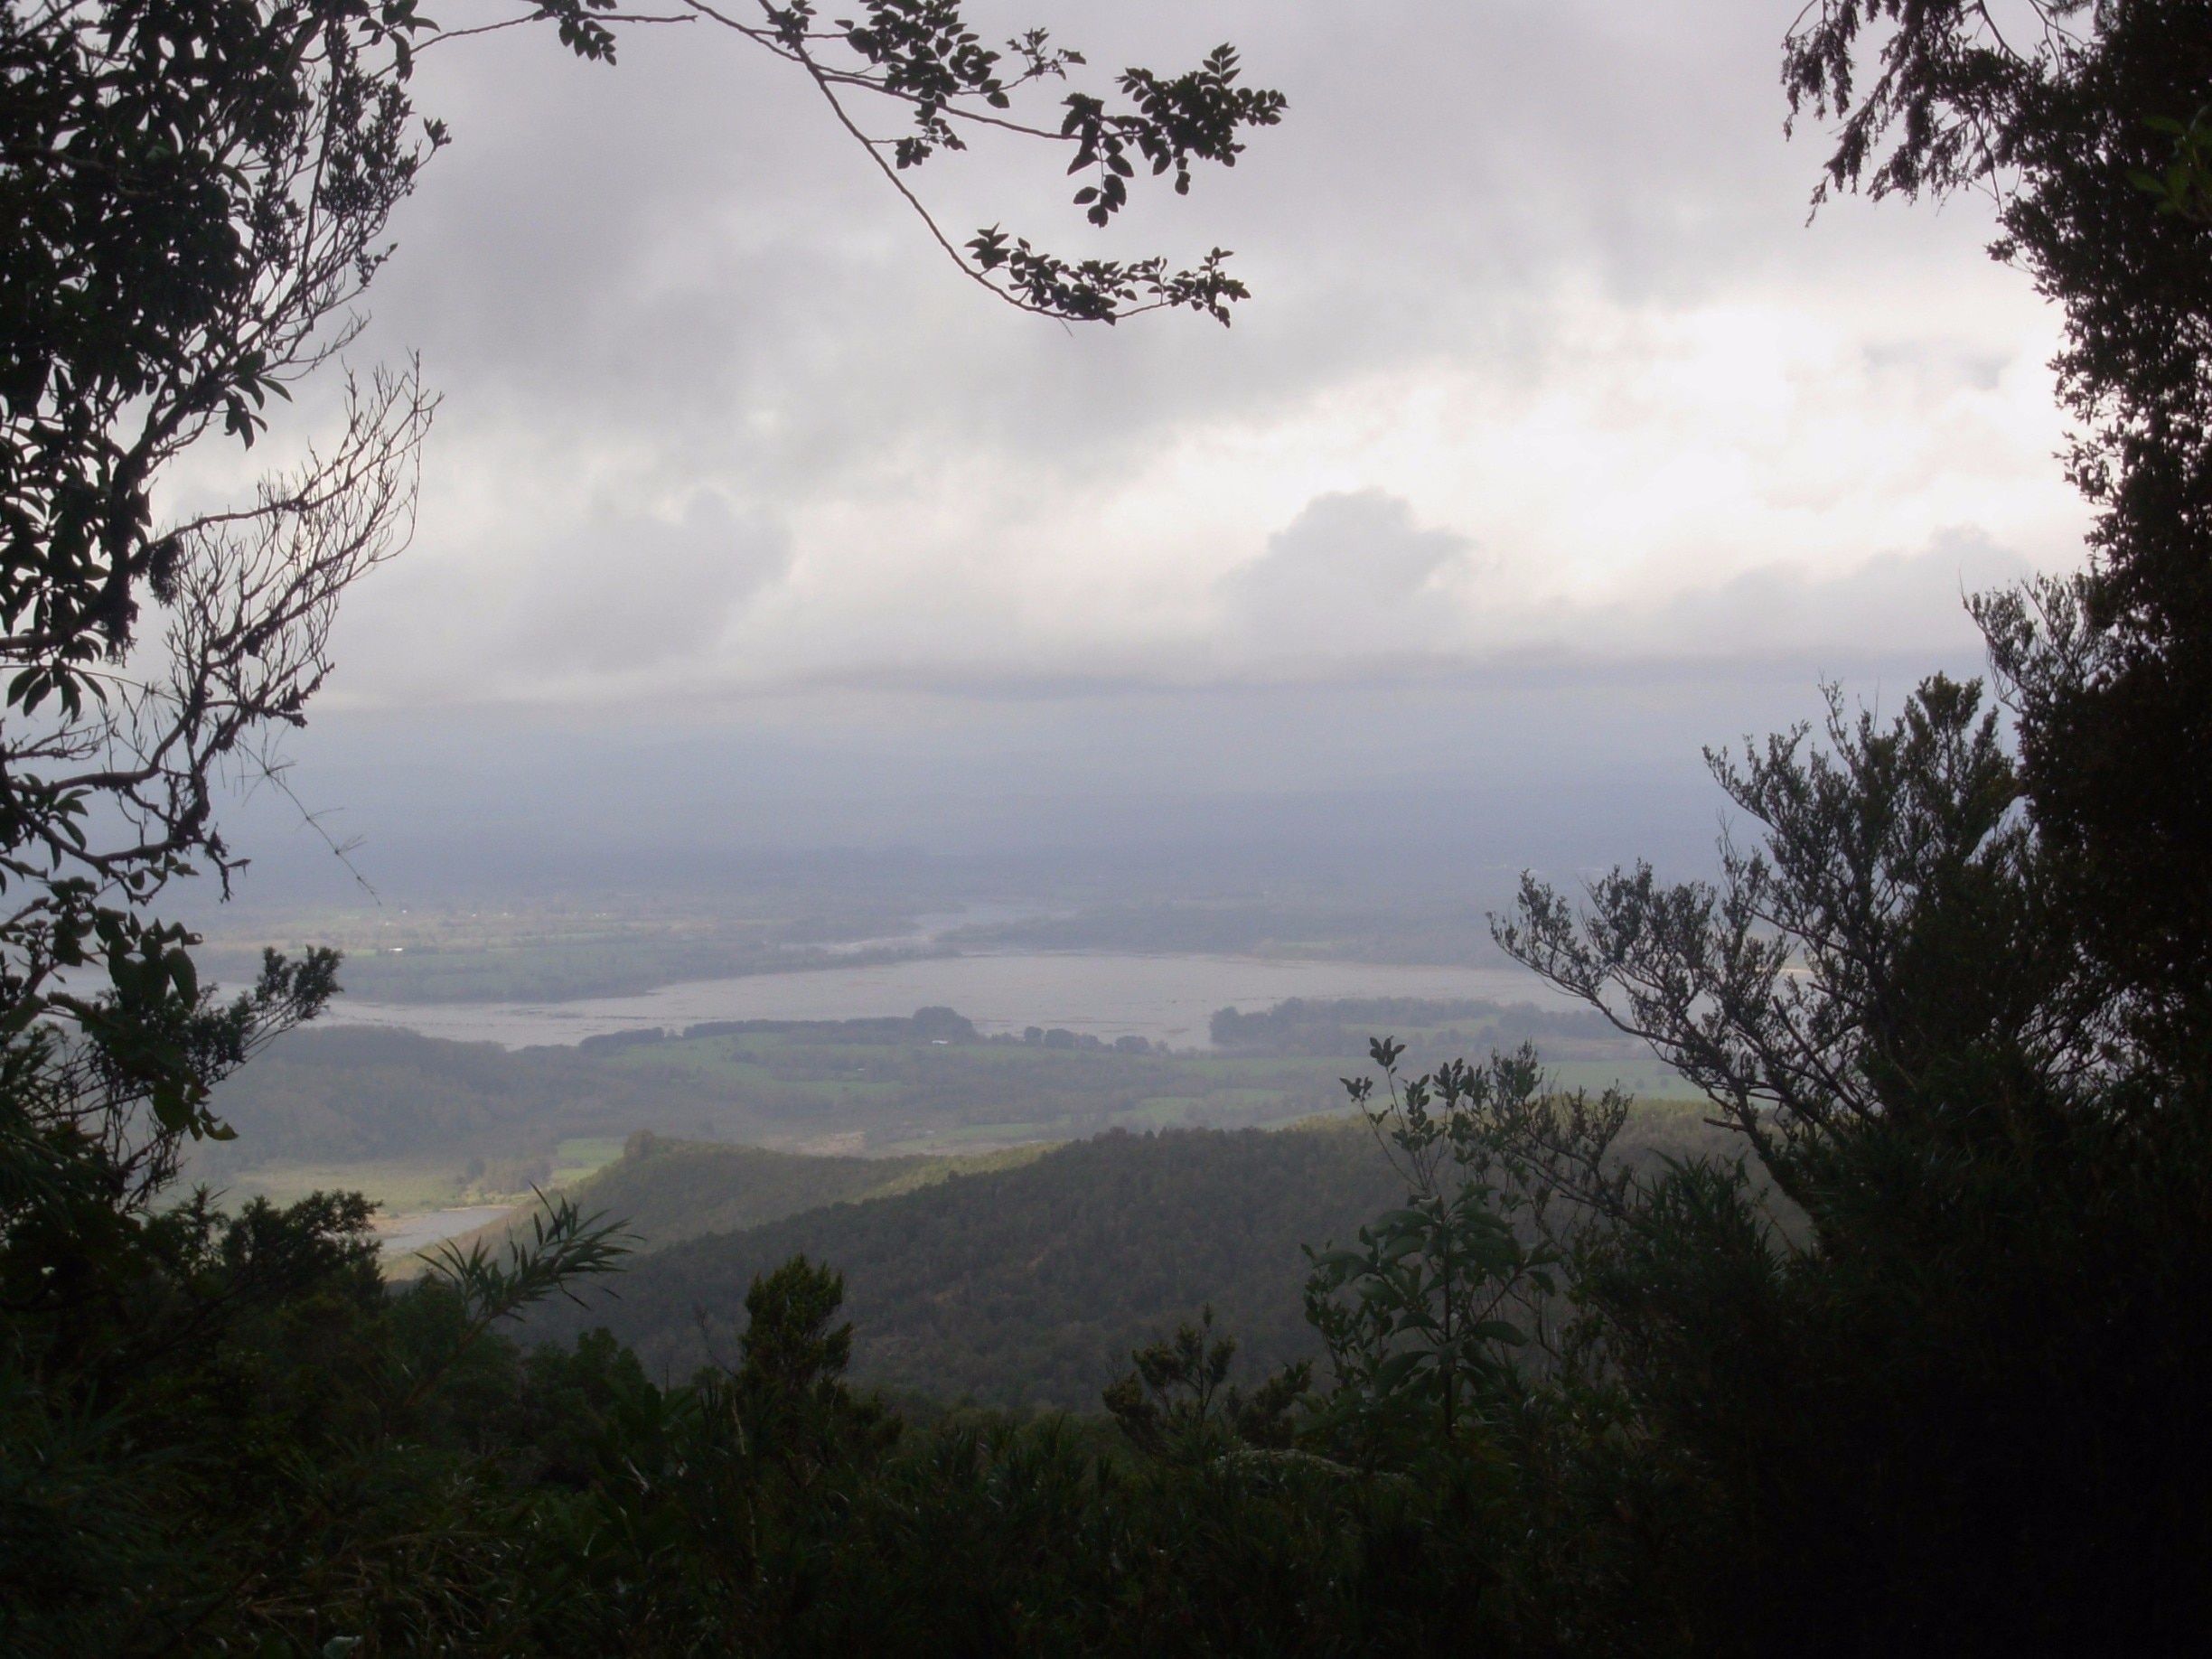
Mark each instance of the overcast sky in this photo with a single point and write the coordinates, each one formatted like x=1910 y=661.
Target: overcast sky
x=1550 y=416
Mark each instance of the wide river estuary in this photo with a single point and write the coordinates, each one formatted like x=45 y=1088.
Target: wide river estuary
x=1168 y=999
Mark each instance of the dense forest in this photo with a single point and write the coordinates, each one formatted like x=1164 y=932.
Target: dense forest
x=1020 y=1287
x=1029 y=1286
x=1903 y=1353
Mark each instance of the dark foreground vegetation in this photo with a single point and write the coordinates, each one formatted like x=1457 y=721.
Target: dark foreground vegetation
x=1956 y=1004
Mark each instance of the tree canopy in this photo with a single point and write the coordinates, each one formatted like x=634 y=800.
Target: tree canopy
x=2088 y=123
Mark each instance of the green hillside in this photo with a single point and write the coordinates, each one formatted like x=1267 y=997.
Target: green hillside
x=1030 y=1284
x=1023 y=1285
x=668 y=1191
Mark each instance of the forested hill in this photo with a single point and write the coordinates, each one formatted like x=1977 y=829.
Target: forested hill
x=668 y=1191
x=1030 y=1284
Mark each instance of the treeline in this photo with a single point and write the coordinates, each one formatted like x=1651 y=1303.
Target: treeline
x=932 y=1024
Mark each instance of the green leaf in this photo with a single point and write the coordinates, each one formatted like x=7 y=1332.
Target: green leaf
x=1393 y=1372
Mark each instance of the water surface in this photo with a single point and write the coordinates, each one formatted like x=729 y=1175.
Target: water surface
x=1166 y=998
x=402 y=1235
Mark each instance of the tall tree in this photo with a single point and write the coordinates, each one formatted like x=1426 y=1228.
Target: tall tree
x=2088 y=123
x=1959 y=998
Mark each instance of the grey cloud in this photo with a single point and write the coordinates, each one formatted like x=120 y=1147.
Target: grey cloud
x=685 y=237
x=632 y=592
x=1895 y=604
x=1353 y=580
x=1353 y=573
x=673 y=282
x=1477 y=779
x=676 y=280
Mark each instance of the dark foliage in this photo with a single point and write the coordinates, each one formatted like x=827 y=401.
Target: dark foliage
x=1178 y=1401
x=1030 y=1286
x=226 y=1431
x=2088 y=124
x=266 y=1452
x=2008 y=1240
x=678 y=1189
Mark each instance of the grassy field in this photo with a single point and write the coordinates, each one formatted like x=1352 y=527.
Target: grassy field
x=914 y=1097
x=405 y=1187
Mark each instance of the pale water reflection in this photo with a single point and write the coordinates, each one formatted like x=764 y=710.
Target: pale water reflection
x=402 y=1235
x=1166 y=998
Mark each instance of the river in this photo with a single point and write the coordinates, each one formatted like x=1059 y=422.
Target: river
x=1166 y=998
